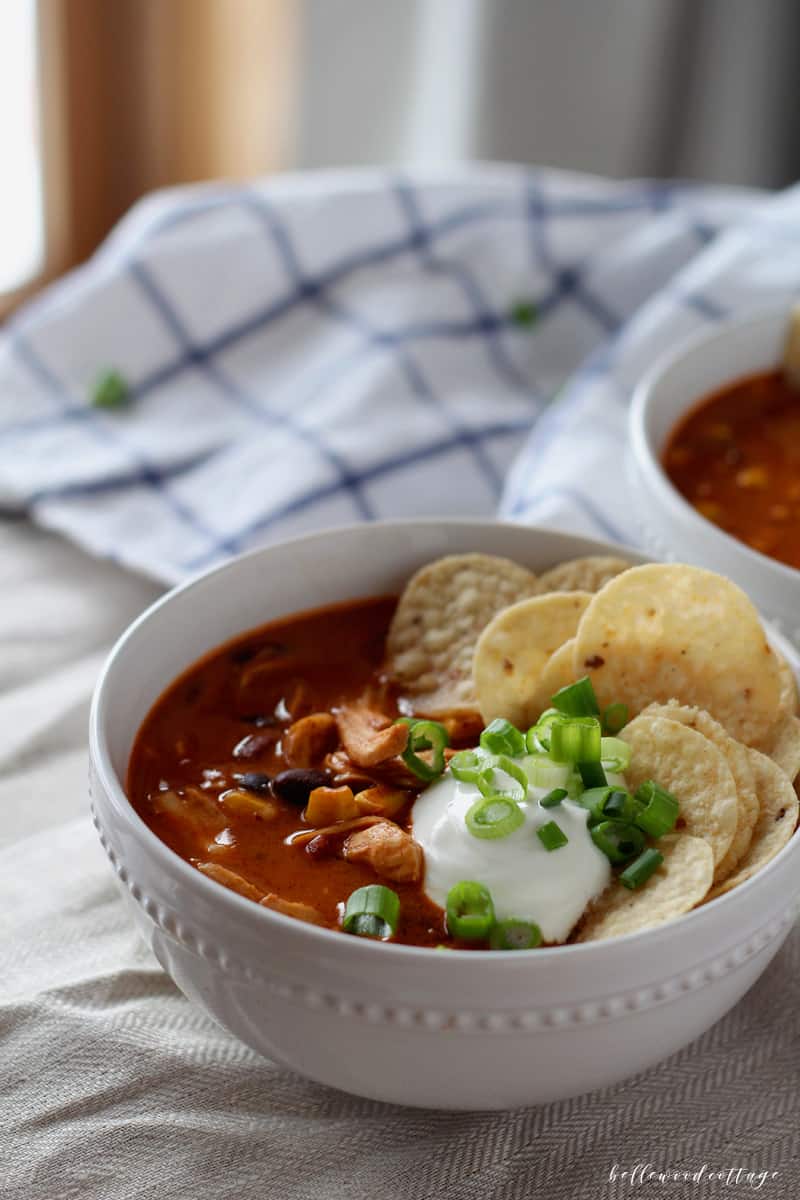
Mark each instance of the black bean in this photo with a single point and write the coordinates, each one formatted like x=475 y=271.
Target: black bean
x=296 y=785
x=256 y=744
x=254 y=781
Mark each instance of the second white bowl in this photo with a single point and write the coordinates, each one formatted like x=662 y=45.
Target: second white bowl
x=671 y=527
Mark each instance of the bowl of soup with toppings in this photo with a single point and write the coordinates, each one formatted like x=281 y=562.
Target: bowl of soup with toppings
x=454 y=814
x=715 y=457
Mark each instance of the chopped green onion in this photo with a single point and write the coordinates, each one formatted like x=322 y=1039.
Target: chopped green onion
x=615 y=755
x=552 y=836
x=489 y=784
x=537 y=738
x=615 y=718
x=523 y=313
x=467 y=765
x=543 y=772
x=594 y=799
x=470 y=911
x=425 y=735
x=608 y=803
x=592 y=774
x=575 y=740
x=493 y=817
x=641 y=868
x=661 y=809
x=110 y=390
x=501 y=737
x=371 y=911
x=577 y=699
x=554 y=798
x=618 y=840
x=621 y=806
x=515 y=935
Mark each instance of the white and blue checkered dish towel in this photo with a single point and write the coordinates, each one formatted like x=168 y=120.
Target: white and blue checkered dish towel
x=316 y=349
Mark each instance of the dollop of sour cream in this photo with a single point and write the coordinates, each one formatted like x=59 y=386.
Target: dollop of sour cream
x=526 y=881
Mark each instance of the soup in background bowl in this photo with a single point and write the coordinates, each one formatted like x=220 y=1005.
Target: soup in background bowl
x=713 y=463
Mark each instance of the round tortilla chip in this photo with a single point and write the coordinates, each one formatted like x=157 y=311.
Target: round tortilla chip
x=680 y=883
x=664 y=631
x=785 y=746
x=776 y=822
x=582 y=574
x=515 y=647
x=691 y=767
x=736 y=756
x=440 y=616
x=557 y=672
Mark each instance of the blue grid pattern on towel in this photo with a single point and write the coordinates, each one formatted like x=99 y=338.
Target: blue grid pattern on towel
x=242 y=424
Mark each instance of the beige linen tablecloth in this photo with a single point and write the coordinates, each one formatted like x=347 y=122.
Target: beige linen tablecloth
x=112 y=1086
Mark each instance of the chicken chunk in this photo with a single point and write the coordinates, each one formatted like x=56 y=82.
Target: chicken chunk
x=293 y=908
x=389 y=850
x=368 y=738
x=230 y=879
x=308 y=740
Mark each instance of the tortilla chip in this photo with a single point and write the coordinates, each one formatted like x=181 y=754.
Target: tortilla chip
x=557 y=672
x=441 y=614
x=582 y=574
x=664 y=631
x=514 y=649
x=736 y=756
x=691 y=767
x=785 y=747
x=681 y=882
x=776 y=823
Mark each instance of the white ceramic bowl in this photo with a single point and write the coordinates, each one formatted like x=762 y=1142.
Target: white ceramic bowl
x=671 y=527
x=458 y=1030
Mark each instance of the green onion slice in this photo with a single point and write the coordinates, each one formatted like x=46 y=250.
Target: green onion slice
x=372 y=911
x=467 y=765
x=554 y=798
x=660 y=811
x=575 y=740
x=592 y=774
x=577 y=699
x=615 y=718
x=514 y=787
x=615 y=755
x=111 y=390
x=514 y=934
x=501 y=737
x=552 y=836
x=620 y=805
x=543 y=772
x=425 y=735
x=594 y=799
x=470 y=911
x=493 y=817
x=618 y=840
x=640 y=870
x=537 y=739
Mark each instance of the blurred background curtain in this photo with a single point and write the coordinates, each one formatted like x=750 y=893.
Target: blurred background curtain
x=700 y=89
x=138 y=94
